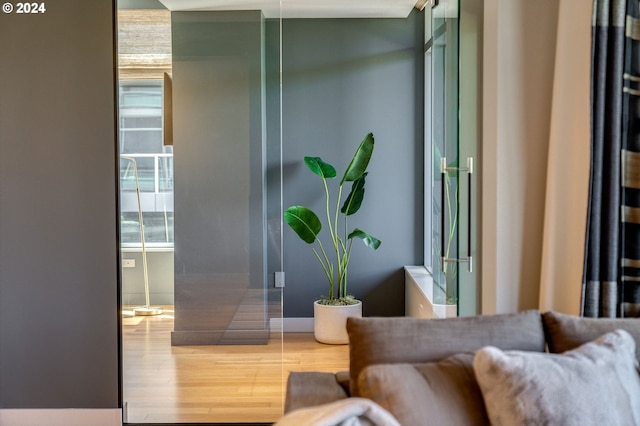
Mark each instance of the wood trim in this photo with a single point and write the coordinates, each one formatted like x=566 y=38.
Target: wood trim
x=167 y=134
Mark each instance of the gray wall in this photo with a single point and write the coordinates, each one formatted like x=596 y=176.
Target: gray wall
x=343 y=78
x=58 y=212
x=160 y=273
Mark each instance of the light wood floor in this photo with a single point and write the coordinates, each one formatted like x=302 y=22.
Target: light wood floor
x=191 y=384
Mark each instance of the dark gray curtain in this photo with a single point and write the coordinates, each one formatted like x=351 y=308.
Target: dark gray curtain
x=630 y=279
x=612 y=251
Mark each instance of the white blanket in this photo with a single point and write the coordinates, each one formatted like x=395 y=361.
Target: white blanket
x=345 y=412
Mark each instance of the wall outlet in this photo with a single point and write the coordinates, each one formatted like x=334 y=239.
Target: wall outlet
x=128 y=263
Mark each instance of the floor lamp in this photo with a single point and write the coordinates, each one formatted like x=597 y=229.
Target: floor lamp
x=147 y=309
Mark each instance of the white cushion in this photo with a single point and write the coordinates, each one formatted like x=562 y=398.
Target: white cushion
x=596 y=384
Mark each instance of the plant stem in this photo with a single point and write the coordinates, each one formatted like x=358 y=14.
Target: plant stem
x=337 y=241
x=333 y=241
x=326 y=197
x=347 y=257
x=327 y=267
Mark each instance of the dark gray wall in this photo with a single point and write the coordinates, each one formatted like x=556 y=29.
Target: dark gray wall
x=343 y=78
x=58 y=235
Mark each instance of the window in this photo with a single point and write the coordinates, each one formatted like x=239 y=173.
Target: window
x=142 y=152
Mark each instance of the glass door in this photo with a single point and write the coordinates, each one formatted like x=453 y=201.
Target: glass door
x=451 y=182
x=200 y=199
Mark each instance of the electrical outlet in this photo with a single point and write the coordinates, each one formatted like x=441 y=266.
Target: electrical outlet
x=128 y=263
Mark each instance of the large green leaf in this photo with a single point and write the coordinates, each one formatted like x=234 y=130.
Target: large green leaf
x=368 y=239
x=319 y=167
x=360 y=160
x=304 y=222
x=353 y=202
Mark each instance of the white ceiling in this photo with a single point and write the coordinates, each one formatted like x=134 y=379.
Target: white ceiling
x=303 y=8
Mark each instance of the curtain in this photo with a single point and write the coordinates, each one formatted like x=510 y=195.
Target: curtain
x=631 y=165
x=567 y=183
x=612 y=245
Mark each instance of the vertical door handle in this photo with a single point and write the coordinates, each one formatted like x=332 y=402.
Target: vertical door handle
x=469 y=170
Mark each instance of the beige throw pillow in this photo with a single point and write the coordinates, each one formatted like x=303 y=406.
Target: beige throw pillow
x=595 y=384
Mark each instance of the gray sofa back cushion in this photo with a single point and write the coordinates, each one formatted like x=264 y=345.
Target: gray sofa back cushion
x=434 y=393
x=413 y=340
x=565 y=332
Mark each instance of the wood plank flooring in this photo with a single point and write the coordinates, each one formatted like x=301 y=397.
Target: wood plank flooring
x=210 y=384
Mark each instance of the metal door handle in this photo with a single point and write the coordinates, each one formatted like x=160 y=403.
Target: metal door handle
x=469 y=170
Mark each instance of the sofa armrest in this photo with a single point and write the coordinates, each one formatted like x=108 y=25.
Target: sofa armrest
x=344 y=379
x=310 y=388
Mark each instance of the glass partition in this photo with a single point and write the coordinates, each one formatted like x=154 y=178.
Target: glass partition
x=442 y=57
x=453 y=67
x=200 y=199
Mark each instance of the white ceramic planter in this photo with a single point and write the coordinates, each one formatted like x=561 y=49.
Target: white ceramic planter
x=330 y=322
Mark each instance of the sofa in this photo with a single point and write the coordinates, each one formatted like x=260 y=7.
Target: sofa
x=521 y=368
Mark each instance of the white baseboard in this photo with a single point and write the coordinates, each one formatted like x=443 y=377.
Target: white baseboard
x=292 y=325
x=61 y=417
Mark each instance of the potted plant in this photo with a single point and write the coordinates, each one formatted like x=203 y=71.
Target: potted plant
x=338 y=304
